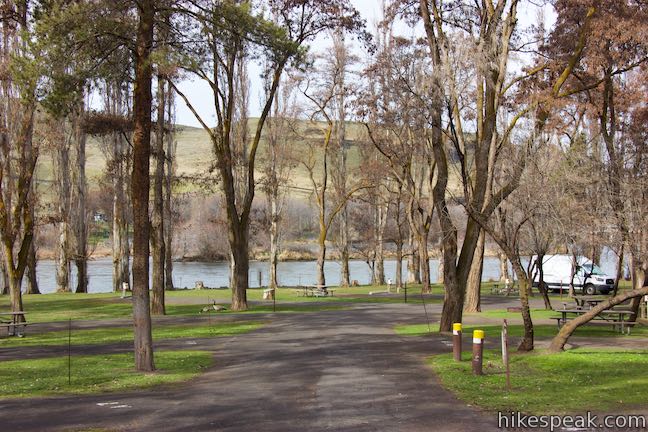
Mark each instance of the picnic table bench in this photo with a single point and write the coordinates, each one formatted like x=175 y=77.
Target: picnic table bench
x=614 y=317
x=315 y=291
x=14 y=323
x=506 y=289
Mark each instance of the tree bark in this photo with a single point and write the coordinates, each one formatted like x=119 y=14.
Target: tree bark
x=619 y=271
x=274 y=239
x=321 y=257
x=61 y=159
x=473 y=287
x=527 y=340
x=504 y=270
x=32 y=279
x=80 y=196
x=157 y=219
x=542 y=287
x=240 y=266
x=424 y=257
x=413 y=263
x=140 y=186
x=381 y=220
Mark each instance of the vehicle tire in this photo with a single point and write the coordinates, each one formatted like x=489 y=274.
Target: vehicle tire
x=589 y=289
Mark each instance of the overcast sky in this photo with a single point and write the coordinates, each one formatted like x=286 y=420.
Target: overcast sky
x=201 y=96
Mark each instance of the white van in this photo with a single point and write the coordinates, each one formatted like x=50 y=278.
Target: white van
x=557 y=269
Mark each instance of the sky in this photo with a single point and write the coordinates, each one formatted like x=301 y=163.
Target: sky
x=201 y=97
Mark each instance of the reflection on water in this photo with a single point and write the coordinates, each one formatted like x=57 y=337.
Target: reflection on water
x=290 y=273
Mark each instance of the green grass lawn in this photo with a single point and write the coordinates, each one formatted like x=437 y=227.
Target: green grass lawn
x=572 y=381
x=539 y=330
x=64 y=306
x=96 y=374
x=125 y=334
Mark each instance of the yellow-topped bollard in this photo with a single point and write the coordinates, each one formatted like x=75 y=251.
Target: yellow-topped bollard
x=456 y=341
x=478 y=352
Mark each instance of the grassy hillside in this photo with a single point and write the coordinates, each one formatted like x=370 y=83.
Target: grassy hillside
x=195 y=155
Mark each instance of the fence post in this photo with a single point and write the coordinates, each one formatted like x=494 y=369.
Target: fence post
x=478 y=352
x=456 y=341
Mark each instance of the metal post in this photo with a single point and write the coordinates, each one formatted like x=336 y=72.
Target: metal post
x=456 y=341
x=69 y=351
x=478 y=352
x=505 y=354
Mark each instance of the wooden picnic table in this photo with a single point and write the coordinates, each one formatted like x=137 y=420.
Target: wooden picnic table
x=14 y=323
x=591 y=301
x=612 y=316
x=315 y=291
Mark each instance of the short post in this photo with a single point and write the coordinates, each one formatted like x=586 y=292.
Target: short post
x=456 y=341
x=405 y=291
x=505 y=354
x=124 y=289
x=478 y=352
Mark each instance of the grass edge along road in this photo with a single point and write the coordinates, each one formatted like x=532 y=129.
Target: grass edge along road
x=577 y=380
x=109 y=335
x=97 y=373
x=101 y=306
x=517 y=330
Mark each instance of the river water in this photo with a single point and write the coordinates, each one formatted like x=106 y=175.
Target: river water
x=216 y=274
x=290 y=273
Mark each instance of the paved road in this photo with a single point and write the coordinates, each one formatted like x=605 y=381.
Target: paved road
x=342 y=370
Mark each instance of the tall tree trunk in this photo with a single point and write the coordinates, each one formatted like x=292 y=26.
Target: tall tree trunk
x=240 y=268
x=413 y=263
x=274 y=238
x=32 y=279
x=4 y=289
x=62 y=262
x=527 y=340
x=440 y=271
x=157 y=219
x=424 y=256
x=345 y=272
x=120 y=242
x=473 y=288
x=504 y=270
x=321 y=257
x=619 y=270
x=140 y=186
x=381 y=220
x=80 y=217
x=542 y=287
x=61 y=164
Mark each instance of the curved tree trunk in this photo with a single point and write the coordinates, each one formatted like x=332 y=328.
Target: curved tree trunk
x=527 y=340
x=559 y=341
x=473 y=286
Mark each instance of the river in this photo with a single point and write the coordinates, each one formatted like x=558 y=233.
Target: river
x=291 y=273
x=216 y=274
